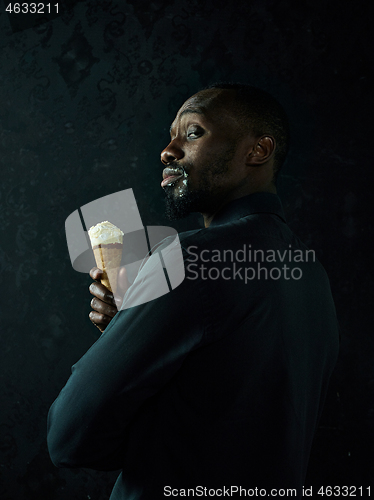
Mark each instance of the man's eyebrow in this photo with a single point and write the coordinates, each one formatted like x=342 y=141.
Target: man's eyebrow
x=198 y=111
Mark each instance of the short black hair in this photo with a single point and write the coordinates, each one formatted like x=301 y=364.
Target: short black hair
x=259 y=113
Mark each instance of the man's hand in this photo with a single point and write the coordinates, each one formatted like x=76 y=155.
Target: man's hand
x=104 y=303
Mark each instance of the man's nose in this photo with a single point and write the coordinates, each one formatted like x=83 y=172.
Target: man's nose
x=171 y=153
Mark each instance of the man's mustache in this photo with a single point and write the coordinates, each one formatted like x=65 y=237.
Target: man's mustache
x=178 y=165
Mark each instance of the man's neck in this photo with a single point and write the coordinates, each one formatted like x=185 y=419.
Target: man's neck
x=208 y=217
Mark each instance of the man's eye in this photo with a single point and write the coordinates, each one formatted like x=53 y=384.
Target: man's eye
x=193 y=133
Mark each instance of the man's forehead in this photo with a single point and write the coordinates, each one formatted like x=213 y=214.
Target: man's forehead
x=202 y=100
x=203 y=103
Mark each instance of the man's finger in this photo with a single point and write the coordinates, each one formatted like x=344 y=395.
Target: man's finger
x=96 y=273
x=102 y=292
x=99 y=320
x=103 y=308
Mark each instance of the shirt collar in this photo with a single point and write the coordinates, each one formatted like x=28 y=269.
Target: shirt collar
x=247 y=205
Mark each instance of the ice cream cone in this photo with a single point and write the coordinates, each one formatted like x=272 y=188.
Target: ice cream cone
x=106 y=240
x=108 y=259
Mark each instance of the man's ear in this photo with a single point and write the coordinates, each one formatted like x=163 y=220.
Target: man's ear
x=262 y=151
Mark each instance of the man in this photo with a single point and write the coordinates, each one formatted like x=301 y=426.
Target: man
x=216 y=388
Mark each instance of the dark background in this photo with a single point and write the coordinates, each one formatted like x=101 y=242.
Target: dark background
x=87 y=96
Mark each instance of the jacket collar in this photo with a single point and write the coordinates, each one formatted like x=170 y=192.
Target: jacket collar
x=247 y=205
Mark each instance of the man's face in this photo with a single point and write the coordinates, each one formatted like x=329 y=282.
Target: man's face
x=203 y=167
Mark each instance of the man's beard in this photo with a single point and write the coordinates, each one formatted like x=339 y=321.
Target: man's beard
x=179 y=206
x=181 y=202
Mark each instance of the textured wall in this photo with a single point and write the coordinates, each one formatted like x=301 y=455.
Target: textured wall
x=86 y=100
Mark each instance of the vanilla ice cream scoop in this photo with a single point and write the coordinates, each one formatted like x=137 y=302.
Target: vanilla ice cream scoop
x=105 y=233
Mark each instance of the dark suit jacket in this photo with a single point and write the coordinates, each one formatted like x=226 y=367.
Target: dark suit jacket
x=219 y=383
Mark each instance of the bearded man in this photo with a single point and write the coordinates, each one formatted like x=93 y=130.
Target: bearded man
x=217 y=387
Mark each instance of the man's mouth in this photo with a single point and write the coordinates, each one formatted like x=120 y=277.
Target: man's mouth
x=171 y=175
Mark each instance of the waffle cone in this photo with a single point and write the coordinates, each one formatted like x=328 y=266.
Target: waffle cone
x=108 y=259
